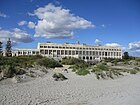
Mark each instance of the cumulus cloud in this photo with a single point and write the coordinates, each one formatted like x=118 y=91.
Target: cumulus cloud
x=57 y=22
x=134 y=45
x=21 y=23
x=16 y=36
x=103 y=25
x=31 y=25
x=3 y=15
x=134 y=48
x=113 y=44
x=97 y=42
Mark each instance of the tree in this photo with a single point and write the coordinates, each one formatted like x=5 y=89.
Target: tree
x=8 y=48
x=126 y=55
x=1 y=48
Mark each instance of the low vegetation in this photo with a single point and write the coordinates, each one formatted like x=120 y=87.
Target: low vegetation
x=71 y=61
x=11 y=66
x=103 y=72
x=133 y=71
x=59 y=77
x=81 y=68
x=48 y=63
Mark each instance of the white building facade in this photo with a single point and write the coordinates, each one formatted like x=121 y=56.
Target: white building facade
x=81 y=51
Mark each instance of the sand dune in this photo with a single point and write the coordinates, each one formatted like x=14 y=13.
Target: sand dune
x=77 y=90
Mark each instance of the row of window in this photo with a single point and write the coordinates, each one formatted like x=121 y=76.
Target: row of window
x=60 y=47
x=69 y=52
x=28 y=52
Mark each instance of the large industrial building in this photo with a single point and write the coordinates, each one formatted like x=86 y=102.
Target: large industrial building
x=82 y=51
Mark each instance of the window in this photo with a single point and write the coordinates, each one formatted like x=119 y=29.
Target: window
x=62 y=52
x=87 y=57
x=83 y=52
x=90 y=52
x=83 y=57
x=93 y=52
x=105 y=53
x=96 y=53
x=41 y=46
x=37 y=52
x=33 y=52
x=73 y=52
x=99 y=53
x=50 y=51
x=46 y=51
x=45 y=46
x=90 y=58
x=42 y=51
x=66 y=52
x=87 y=53
x=58 y=52
x=69 y=52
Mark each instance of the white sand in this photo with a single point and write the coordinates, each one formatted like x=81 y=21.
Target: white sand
x=77 y=90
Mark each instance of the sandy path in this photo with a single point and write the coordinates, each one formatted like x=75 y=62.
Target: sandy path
x=76 y=90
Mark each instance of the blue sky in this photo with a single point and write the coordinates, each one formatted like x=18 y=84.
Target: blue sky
x=108 y=22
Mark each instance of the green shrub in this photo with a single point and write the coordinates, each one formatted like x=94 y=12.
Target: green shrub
x=71 y=61
x=136 y=68
x=81 y=68
x=8 y=71
x=19 y=71
x=133 y=71
x=48 y=63
x=100 y=67
x=82 y=72
x=44 y=70
x=97 y=76
x=59 y=76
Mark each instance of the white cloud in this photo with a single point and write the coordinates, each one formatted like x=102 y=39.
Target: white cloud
x=21 y=23
x=134 y=45
x=16 y=36
x=31 y=25
x=57 y=22
x=134 y=48
x=113 y=44
x=97 y=42
x=103 y=25
x=3 y=15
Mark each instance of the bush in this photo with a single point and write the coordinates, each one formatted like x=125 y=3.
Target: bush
x=71 y=61
x=19 y=71
x=133 y=71
x=136 y=68
x=100 y=67
x=48 y=63
x=8 y=71
x=82 y=72
x=81 y=68
x=59 y=76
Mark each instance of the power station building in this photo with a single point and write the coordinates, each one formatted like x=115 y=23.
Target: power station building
x=82 y=51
